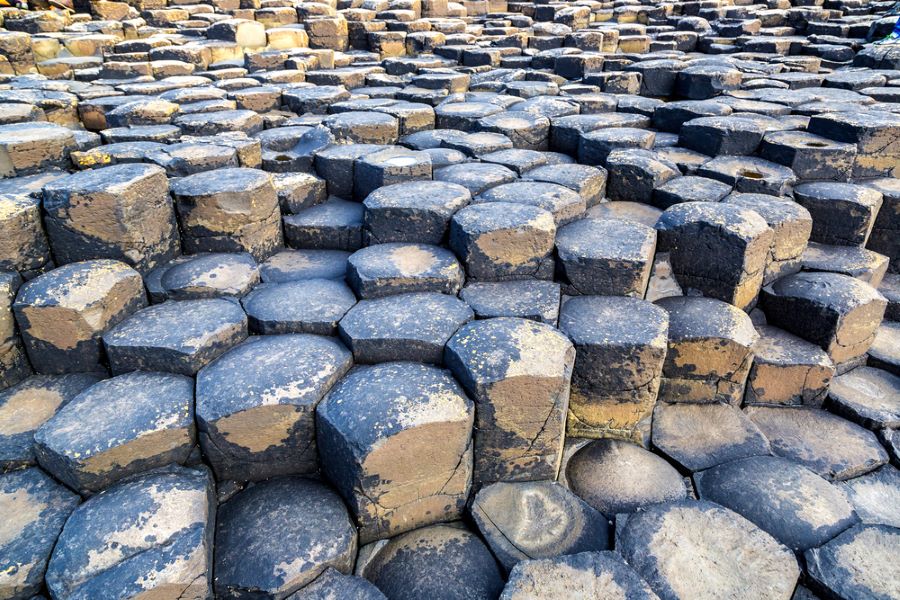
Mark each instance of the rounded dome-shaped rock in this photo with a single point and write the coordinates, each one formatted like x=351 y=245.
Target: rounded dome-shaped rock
x=441 y=562
x=275 y=537
x=620 y=477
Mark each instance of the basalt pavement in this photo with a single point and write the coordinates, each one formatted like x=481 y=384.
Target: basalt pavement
x=427 y=300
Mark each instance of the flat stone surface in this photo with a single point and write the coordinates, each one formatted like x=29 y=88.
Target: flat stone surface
x=866 y=396
x=303 y=306
x=831 y=446
x=28 y=405
x=36 y=508
x=687 y=549
x=118 y=427
x=535 y=300
x=179 y=337
x=700 y=436
x=387 y=269
x=793 y=504
x=413 y=327
x=875 y=496
x=582 y=575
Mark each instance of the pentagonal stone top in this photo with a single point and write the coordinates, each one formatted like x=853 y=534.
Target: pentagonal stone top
x=386 y=269
x=411 y=327
x=118 y=427
x=179 y=337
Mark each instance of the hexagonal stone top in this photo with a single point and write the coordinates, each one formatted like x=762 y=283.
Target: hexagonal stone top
x=411 y=327
x=692 y=549
x=120 y=426
x=793 y=504
x=386 y=269
x=34 y=509
x=704 y=318
x=306 y=306
x=394 y=397
x=277 y=536
x=870 y=397
x=178 y=337
x=146 y=535
x=237 y=180
x=211 y=275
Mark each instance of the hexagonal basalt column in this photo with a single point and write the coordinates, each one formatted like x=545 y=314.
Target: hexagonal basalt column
x=177 y=337
x=122 y=212
x=275 y=537
x=717 y=249
x=710 y=351
x=229 y=210
x=517 y=371
x=148 y=535
x=621 y=346
x=119 y=427
x=256 y=404
x=411 y=327
x=499 y=241
x=396 y=440
x=840 y=314
x=417 y=211
x=27 y=148
x=607 y=257
x=62 y=313
x=34 y=509
x=387 y=269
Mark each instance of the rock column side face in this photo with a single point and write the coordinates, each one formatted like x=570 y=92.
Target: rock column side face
x=229 y=210
x=122 y=212
x=256 y=404
x=396 y=441
x=63 y=313
x=148 y=535
x=517 y=371
x=620 y=349
x=716 y=249
x=710 y=351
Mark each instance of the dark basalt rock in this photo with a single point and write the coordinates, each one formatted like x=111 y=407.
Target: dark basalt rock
x=280 y=535
x=256 y=404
